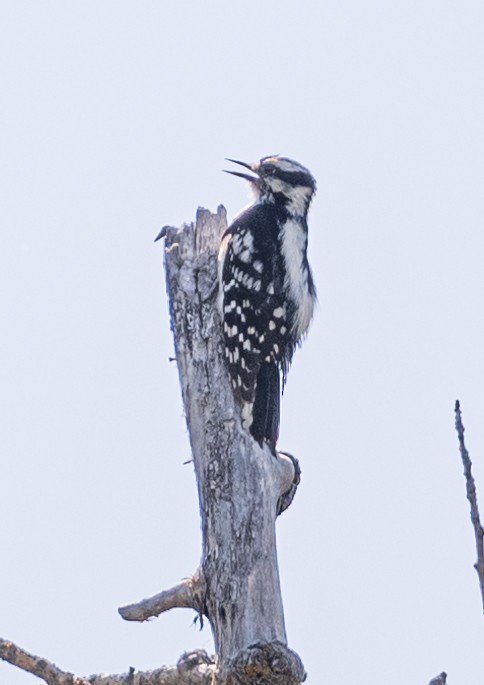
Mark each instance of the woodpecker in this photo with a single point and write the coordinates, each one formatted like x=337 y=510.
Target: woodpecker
x=266 y=290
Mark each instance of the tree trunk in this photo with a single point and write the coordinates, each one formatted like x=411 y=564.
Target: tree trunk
x=239 y=483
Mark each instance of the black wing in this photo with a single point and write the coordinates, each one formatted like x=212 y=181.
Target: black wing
x=254 y=315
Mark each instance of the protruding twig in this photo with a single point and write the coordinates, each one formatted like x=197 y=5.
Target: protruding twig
x=472 y=497
x=186 y=595
x=162 y=233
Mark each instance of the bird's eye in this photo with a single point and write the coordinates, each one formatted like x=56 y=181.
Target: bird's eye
x=269 y=170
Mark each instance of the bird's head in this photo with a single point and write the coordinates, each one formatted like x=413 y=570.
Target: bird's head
x=280 y=180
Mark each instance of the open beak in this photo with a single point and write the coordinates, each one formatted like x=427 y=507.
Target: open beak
x=247 y=177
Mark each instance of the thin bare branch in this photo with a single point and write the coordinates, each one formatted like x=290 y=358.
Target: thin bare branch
x=186 y=595
x=36 y=665
x=472 y=497
x=193 y=668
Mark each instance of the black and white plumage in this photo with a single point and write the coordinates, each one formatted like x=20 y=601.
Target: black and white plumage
x=267 y=294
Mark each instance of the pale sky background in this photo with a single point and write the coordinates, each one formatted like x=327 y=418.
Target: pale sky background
x=115 y=119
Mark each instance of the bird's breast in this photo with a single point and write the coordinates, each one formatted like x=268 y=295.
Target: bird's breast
x=293 y=236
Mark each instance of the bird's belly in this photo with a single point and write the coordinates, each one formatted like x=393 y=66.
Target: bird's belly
x=303 y=312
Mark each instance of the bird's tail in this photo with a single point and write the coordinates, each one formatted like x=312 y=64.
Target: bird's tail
x=266 y=408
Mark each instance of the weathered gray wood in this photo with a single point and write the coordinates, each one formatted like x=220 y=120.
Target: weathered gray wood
x=239 y=483
x=264 y=663
x=193 y=668
x=187 y=594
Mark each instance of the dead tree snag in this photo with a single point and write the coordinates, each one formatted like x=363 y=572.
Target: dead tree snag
x=239 y=483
